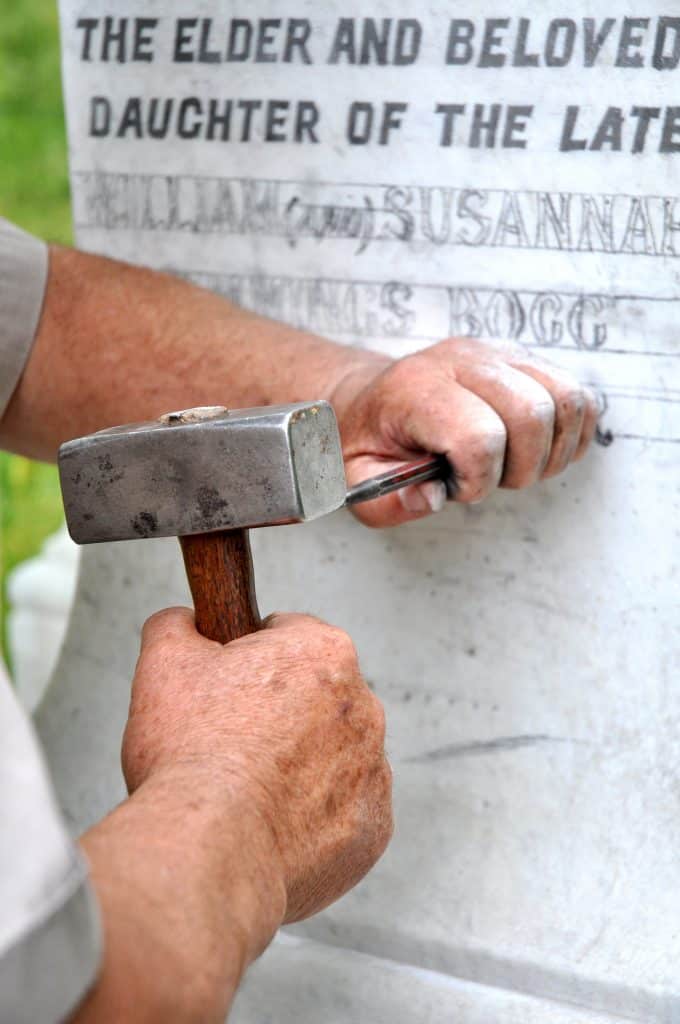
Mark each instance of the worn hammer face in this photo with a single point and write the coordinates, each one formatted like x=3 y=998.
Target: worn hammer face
x=202 y=470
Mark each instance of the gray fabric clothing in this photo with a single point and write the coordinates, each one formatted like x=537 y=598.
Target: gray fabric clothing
x=23 y=273
x=50 y=941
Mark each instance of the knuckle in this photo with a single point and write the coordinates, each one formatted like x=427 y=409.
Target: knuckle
x=405 y=368
x=481 y=449
x=406 y=377
x=341 y=643
x=300 y=636
x=490 y=441
x=475 y=490
x=482 y=467
x=291 y=623
x=536 y=416
x=156 y=618
x=155 y=627
x=594 y=400
x=571 y=402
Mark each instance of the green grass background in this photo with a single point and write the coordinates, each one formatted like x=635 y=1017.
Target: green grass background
x=34 y=193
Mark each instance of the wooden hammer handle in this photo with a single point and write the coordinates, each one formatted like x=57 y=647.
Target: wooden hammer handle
x=220 y=572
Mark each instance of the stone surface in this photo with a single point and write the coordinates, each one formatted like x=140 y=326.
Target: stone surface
x=296 y=975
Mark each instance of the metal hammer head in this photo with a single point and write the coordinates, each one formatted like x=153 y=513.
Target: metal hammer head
x=202 y=470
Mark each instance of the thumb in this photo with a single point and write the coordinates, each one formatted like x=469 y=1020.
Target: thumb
x=170 y=625
x=401 y=506
x=291 y=620
x=421 y=499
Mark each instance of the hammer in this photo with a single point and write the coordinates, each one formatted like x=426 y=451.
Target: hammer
x=206 y=475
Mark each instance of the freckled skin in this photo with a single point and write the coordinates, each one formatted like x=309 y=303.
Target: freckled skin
x=260 y=793
x=196 y=713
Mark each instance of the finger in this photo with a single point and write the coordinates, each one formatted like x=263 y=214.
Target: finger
x=291 y=620
x=408 y=503
x=527 y=411
x=169 y=625
x=422 y=499
x=590 y=418
x=572 y=401
x=576 y=406
x=312 y=633
x=443 y=418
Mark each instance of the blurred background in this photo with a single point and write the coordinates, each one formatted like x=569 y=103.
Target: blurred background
x=34 y=193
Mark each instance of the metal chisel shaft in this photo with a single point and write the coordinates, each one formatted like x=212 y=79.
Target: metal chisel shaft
x=431 y=467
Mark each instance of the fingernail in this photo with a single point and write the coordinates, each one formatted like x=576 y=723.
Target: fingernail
x=427 y=497
x=435 y=493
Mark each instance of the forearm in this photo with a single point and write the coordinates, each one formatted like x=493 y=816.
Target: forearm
x=188 y=899
x=117 y=343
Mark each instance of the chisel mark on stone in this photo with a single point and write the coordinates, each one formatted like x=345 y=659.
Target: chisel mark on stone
x=476 y=747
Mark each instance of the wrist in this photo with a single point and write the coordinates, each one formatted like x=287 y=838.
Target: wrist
x=210 y=813
x=191 y=891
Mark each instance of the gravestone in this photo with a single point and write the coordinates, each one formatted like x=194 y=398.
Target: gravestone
x=389 y=180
